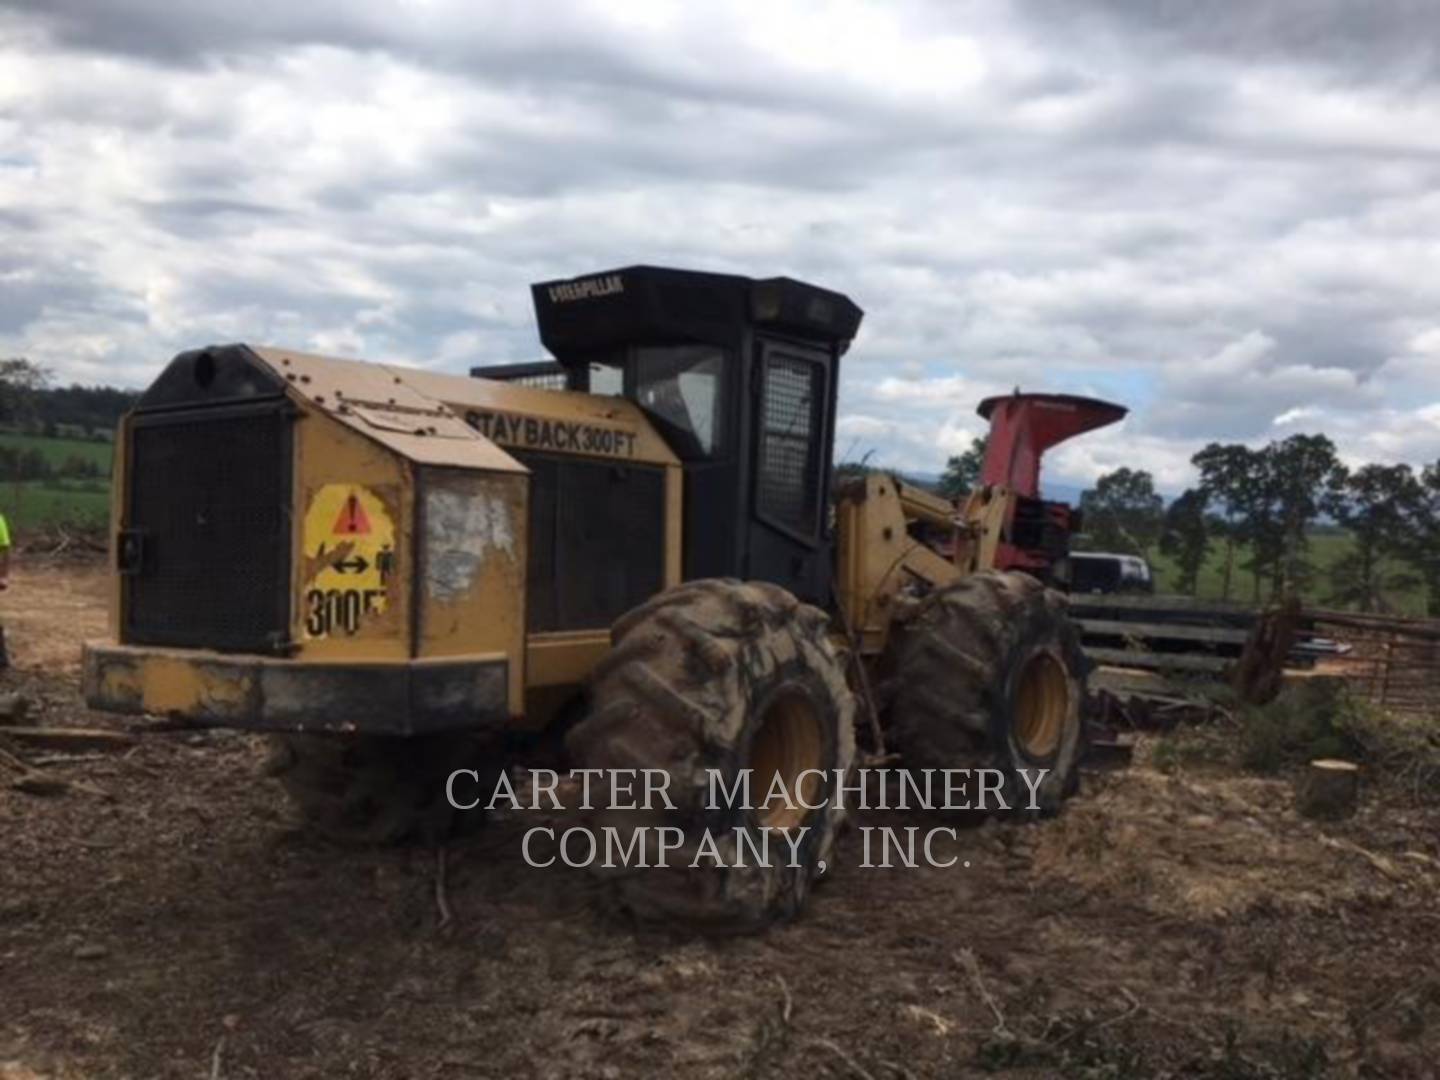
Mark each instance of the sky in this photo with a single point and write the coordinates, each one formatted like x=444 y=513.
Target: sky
x=1224 y=215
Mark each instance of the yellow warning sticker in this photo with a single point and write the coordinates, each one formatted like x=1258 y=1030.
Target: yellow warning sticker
x=349 y=558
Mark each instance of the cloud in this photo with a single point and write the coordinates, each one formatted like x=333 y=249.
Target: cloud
x=1333 y=38
x=1226 y=223
x=1297 y=415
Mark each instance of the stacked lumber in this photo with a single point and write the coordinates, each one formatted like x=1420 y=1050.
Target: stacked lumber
x=1163 y=646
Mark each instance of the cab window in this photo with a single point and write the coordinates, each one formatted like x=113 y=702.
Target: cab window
x=680 y=386
x=791 y=424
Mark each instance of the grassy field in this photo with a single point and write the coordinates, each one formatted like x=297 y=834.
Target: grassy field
x=1327 y=546
x=59 y=451
x=36 y=504
x=43 y=503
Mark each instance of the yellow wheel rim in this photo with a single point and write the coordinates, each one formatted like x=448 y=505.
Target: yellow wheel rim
x=1042 y=705
x=788 y=742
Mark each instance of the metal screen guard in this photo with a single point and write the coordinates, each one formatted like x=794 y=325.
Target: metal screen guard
x=208 y=520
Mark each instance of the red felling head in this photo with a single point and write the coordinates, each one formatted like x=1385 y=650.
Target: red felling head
x=1024 y=426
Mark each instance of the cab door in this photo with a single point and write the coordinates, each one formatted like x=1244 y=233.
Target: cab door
x=794 y=416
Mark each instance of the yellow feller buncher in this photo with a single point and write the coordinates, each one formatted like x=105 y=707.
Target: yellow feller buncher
x=634 y=552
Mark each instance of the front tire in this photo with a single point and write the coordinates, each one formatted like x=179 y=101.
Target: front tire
x=722 y=675
x=990 y=675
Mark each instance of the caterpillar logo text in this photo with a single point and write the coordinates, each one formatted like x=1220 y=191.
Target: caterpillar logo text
x=586 y=288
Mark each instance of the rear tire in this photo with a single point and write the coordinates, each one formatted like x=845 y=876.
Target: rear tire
x=721 y=675
x=990 y=675
x=369 y=790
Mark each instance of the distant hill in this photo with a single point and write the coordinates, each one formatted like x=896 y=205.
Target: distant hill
x=84 y=411
x=80 y=412
x=1066 y=493
x=929 y=481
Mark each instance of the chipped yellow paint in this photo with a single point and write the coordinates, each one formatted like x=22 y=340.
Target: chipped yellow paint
x=350 y=558
x=167 y=684
x=119 y=682
x=472 y=567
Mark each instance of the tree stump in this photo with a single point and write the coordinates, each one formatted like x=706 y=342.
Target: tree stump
x=1328 y=789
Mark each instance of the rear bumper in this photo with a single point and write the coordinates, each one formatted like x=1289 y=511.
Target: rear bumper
x=258 y=693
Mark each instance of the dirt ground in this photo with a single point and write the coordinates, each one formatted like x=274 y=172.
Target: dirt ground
x=163 y=918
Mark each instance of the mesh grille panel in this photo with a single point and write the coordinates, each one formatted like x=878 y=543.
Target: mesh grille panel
x=597 y=533
x=788 y=488
x=209 y=501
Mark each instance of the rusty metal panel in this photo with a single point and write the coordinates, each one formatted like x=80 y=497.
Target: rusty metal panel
x=471 y=579
x=1392 y=661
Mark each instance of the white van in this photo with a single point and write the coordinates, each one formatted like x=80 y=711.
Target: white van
x=1107 y=572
